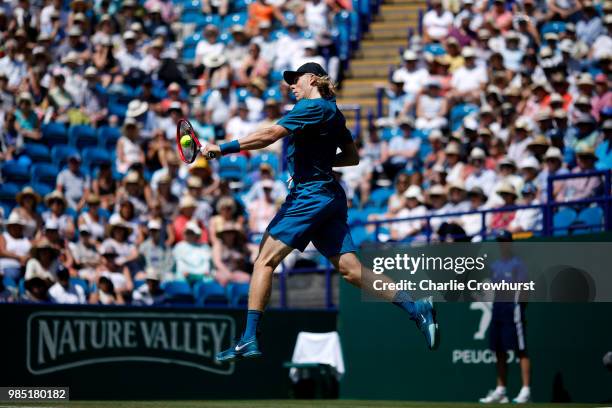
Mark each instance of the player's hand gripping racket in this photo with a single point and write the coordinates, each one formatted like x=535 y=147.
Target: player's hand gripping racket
x=188 y=143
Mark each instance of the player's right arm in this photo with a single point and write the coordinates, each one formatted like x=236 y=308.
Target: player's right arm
x=256 y=140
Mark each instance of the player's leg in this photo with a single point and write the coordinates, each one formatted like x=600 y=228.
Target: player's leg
x=271 y=254
x=420 y=311
x=501 y=367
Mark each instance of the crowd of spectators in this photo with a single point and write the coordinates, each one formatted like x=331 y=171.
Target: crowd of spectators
x=144 y=216
x=491 y=100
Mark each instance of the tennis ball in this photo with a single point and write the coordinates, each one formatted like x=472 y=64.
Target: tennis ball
x=186 y=141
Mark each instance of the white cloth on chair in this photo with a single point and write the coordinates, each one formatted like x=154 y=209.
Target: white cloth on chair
x=318 y=348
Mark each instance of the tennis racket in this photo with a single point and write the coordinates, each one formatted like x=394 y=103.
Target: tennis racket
x=188 y=143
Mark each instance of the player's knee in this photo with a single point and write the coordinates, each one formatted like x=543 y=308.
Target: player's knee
x=267 y=261
x=350 y=269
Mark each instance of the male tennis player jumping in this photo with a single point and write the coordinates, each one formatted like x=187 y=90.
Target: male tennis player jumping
x=315 y=209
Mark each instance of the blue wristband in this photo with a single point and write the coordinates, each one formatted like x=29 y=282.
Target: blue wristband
x=230 y=147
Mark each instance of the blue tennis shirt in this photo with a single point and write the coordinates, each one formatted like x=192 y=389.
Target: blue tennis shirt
x=317 y=128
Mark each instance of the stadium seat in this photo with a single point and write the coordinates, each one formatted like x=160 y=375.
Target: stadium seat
x=9 y=282
x=232 y=19
x=233 y=167
x=107 y=137
x=590 y=219
x=379 y=197
x=562 y=221
x=60 y=154
x=210 y=294
x=138 y=283
x=178 y=292
x=8 y=191
x=552 y=27
x=82 y=136
x=13 y=172
x=434 y=49
x=44 y=173
x=269 y=158
x=388 y=133
x=361 y=235
x=238 y=294
x=82 y=283
x=54 y=133
x=94 y=157
x=459 y=112
x=241 y=5
x=39 y=153
x=43 y=188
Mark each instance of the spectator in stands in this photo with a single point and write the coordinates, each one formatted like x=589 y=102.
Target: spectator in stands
x=437 y=155
x=402 y=150
x=27 y=201
x=472 y=223
x=456 y=168
x=590 y=26
x=112 y=269
x=192 y=257
x=603 y=94
x=413 y=77
x=155 y=250
x=517 y=149
x=583 y=187
x=240 y=125
x=105 y=186
x=203 y=210
x=553 y=160
x=7 y=295
x=66 y=292
x=73 y=183
x=231 y=255
x=218 y=105
x=118 y=233
x=584 y=132
x=187 y=208
x=437 y=200
x=604 y=149
x=266 y=175
x=43 y=263
x=400 y=103
x=260 y=11
x=436 y=22
x=431 y=107
x=527 y=219
x=253 y=66
x=14 y=247
x=12 y=65
x=106 y=294
x=151 y=292
x=56 y=203
x=480 y=176
x=219 y=7
x=413 y=199
x=529 y=168
x=85 y=253
x=36 y=291
x=26 y=120
x=262 y=209
x=227 y=213
x=129 y=150
x=501 y=220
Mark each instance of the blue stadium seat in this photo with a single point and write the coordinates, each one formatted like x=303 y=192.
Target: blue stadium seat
x=9 y=282
x=213 y=19
x=424 y=150
x=361 y=235
x=269 y=158
x=210 y=294
x=388 y=133
x=238 y=294
x=192 y=6
x=118 y=109
x=8 y=191
x=178 y=292
x=13 y=172
x=241 y=5
x=82 y=136
x=235 y=18
x=552 y=27
x=193 y=17
x=188 y=54
x=107 y=137
x=54 y=133
x=60 y=154
x=44 y=173
x=37 y=152
x=590 y=219
x=43 y=188
x=379 y=197
x=233 y=167
x=139 y=282
x=458 y=112
x=94 y=157
x=562 y=221
x=82 y=283
x=435 y=49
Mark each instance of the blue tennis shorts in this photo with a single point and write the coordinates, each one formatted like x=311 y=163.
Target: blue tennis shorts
x=507 y=330
x=314 y=211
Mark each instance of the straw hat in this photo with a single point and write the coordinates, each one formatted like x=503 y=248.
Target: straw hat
x=54 y=195
x=28 y=191
x=116 y=221
x=506 y=188
x=136 y=108
x=43 y=244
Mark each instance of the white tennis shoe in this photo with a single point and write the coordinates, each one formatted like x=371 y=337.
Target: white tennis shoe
x=495 y=396
x=523 y=397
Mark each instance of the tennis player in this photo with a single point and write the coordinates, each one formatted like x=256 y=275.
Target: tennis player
x=315 y=209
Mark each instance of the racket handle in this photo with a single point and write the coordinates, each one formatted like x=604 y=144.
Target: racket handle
x=209 y=155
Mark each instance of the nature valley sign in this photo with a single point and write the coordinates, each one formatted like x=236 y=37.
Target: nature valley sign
x=58 y=340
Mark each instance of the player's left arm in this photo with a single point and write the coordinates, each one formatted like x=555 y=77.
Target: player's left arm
x=256 y=140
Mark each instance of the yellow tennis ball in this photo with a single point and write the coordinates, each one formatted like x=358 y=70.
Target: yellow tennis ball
x=186 y=141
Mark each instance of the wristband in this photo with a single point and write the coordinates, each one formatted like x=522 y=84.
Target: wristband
x=230 y=147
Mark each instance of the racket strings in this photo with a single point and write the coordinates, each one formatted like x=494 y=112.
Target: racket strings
x=185 y=129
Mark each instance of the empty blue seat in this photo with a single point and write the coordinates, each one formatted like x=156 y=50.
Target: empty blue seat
x=8 y=191
x=590 y=219
x=238 y=294
x=232 y=19
x=82 y=136
x=94 y=157
x=210 y=294
x=13 y=172
x=9 y=282
x=44 y=172
x=37 y=152
x=60 y=154
x=43 y=188
x=361 y=235
x=54 y=133
x=380 y=196
x=107 y=137
x=389 y=133
x=241 y=5
x=562 y=220
x=177 y=292
x=188 y=54
x=270 y=158
x=233 y=167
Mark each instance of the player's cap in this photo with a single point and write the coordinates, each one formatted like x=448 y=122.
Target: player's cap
x=154 y=224
x=553 y=153
x=529 y=163
x=308 y=68
x=477 y=154
x=193 y=226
